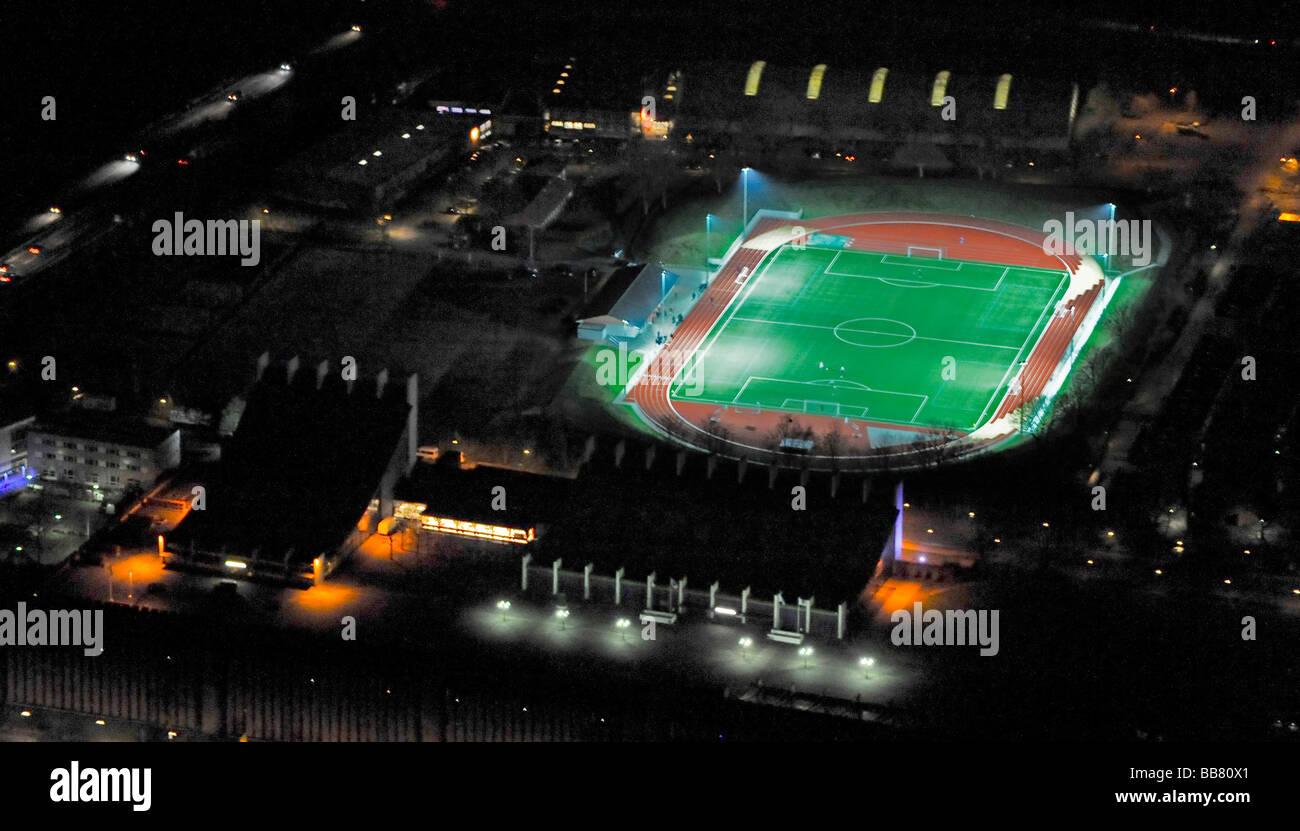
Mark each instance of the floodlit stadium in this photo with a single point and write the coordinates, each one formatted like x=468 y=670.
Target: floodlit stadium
x=883 y=337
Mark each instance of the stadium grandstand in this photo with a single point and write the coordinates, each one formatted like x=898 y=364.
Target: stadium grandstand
x=872 y=103
x=818 y=102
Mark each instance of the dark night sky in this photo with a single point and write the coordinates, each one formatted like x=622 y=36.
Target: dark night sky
x=114 y=66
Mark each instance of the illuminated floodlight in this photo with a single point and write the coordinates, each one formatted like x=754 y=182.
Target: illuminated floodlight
x=724 y=610
x=877 y=91
x=503 y=605
x=866 y=664
x=1002 y=92
x=622 y=624
x=940 y=88
x=815 y=77
x=356 y=28
x=806 y=652
x=236 y=564
x=754 y=77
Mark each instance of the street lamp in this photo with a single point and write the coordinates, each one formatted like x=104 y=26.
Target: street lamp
x=708 y=237
x=504 y=606
x=866 y=664
x=744 y=186
x=623 y=624
x=1108 y=252
x=745 y=643
x=806 y=652
x=563 y=615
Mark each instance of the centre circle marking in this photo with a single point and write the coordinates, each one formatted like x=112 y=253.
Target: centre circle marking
x=875 y=332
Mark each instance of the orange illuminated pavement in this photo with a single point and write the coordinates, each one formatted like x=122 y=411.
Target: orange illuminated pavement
x=896 y=594
x=326 y=597
x=138 y=567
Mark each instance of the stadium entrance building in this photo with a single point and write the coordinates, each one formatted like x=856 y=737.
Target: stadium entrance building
x=621 y=310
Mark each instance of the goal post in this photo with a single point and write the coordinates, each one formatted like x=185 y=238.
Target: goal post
x=925 y=251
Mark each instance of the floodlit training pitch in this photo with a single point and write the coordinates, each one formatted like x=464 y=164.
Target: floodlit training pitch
x=875 y=336
x=910 y=339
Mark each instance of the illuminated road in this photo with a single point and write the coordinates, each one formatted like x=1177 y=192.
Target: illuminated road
x=49 y=237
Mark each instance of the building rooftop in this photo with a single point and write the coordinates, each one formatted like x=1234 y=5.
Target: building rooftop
x=300 y=470
x=105 y=427
x=649 y=517
x=14 y=406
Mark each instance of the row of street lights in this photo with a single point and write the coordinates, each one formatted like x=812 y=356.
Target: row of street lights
x=746 y=642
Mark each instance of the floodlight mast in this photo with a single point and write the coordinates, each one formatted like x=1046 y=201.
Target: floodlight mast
x=744 y=186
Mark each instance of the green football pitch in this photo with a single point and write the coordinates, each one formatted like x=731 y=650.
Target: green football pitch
x=910 y=340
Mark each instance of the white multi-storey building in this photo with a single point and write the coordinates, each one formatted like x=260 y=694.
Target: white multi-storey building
x=100 y=454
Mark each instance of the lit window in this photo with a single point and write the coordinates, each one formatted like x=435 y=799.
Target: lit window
x=815 y=81
x=755 y=75
x=940 y=88
x=1002 y=93
x=877 y=92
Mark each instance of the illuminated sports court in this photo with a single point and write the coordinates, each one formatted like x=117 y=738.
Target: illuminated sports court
x=887 y=329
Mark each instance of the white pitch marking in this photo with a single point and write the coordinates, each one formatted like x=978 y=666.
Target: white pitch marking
x=871 y=332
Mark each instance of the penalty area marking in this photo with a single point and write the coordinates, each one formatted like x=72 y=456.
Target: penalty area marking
x=820 y=383
x=936 y=265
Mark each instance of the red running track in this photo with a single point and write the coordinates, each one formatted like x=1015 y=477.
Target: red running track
x=745 y=432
